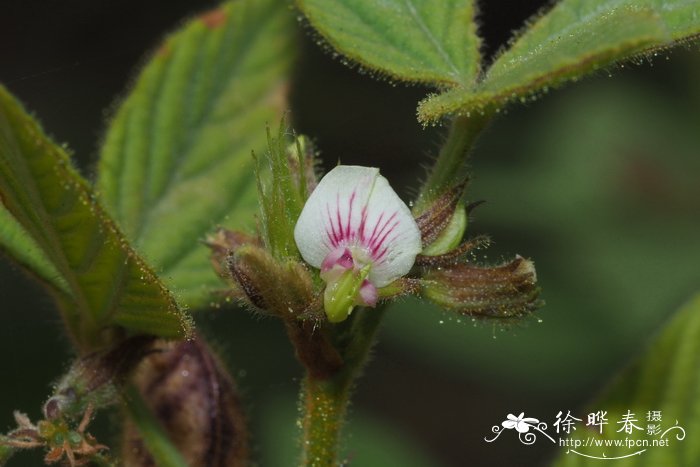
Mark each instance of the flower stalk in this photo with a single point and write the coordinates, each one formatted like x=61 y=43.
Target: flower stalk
x=325 y=397
x=449 y=168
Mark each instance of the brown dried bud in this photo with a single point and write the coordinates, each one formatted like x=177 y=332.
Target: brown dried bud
x=193 y=397
x=438 y=215
x=283 y=288
x=506 y=291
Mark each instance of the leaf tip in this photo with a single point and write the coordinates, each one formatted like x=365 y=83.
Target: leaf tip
x=214 y=18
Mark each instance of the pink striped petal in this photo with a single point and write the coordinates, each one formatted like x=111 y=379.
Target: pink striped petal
x=353 y=208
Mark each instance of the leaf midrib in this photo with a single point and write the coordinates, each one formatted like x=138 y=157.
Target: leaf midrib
x=433 y=40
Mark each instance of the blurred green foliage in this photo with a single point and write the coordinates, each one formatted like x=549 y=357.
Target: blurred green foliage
x=660 y=390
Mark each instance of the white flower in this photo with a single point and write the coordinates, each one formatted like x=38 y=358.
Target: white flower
x=522 y=425
x=356 y=229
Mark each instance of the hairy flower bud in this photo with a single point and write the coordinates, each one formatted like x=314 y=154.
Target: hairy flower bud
x=281 y=287
x=506 y=291
x=191 y=394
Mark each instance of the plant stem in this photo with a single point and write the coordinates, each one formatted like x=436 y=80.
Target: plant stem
x=449 y=168
x=324 y=405
x=325 y=400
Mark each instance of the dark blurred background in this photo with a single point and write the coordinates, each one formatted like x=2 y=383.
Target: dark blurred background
x=597 y=182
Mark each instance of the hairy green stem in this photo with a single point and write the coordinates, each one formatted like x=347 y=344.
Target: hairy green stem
x=324 y=400
x=449 y=168
x=324 y=405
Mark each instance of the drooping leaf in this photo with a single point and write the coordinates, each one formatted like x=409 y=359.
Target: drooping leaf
x=665 y=380
x=576 y=37
x=108 y=284
x=411 y=40
x=18 y=245
x=176 y=160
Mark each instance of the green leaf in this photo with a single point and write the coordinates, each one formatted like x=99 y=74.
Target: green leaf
x=177 y=159
x=18 y=245
x=665 y=379
x=576 y=37
x=412 y=40
x=108 y=283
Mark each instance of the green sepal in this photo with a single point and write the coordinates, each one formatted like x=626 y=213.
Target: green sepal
x=282 y=191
